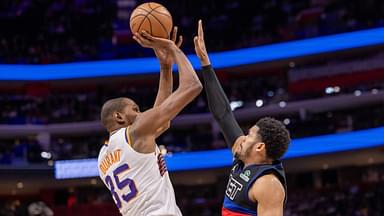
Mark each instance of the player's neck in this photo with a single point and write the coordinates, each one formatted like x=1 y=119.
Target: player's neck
x=112 y=132
x=257 y=161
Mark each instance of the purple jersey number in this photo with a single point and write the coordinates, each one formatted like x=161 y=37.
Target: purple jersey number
x=120 y=185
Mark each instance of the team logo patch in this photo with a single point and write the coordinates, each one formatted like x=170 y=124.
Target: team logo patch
x=233 y=188
x=245 y=175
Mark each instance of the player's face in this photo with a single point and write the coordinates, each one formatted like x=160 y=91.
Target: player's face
x=244 y=149
x=131 y=111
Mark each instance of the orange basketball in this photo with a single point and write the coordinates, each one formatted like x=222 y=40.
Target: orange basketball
x=153 y=18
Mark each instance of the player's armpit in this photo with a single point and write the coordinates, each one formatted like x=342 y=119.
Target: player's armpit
x=269 y=194
x=147 y=123
x=162 y=129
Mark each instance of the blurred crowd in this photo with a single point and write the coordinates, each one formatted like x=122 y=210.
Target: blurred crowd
x=43 y=104
x=43 y=31
x=40 y=105
x=22 y=151
x=84 y=105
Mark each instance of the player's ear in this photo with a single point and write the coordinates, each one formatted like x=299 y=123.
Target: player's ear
x=118 y=118
x=260 y=146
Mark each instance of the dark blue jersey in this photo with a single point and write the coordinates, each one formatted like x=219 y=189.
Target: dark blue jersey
x=241 y=179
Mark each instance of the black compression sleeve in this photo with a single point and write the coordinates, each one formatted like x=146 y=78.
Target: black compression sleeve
x=219 y=106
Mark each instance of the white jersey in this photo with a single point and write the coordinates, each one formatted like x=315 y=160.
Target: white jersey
x=139 y=183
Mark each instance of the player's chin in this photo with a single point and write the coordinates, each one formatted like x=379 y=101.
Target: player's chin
x=236 y=155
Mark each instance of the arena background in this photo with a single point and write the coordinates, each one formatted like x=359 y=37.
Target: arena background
x=316 y=65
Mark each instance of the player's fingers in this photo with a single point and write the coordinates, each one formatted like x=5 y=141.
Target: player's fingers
x=144 y=41
x=174 y=34
x=180 y=41
x=195 y=41
x=200 y=29
x=147 y=36
x=197 y=45
x=137 y=38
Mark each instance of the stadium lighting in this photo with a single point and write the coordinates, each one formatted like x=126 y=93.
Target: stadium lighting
x=259 y=103
x=287 y=121
x=329 y=90
x=46 y=155
x=236 y=104
x=357 y=93
x=282 y=104
x=270 y=93
x=337 y=89
x=221 y=158
x=226 y=59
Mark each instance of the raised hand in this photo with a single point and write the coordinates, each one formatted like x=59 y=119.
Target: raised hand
x=148 y=41
x=163 y=54
x=200 y=49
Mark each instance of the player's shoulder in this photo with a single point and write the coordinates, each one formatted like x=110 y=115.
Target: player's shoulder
x=118 y=135
x=102 y=152
x=268 y=179
x=268 y=185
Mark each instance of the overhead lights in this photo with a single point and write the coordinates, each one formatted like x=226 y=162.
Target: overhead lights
x=259 y=103
x=282 y=104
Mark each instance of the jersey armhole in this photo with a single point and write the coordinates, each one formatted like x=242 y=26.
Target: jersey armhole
x=263 y=173
x=128 y=136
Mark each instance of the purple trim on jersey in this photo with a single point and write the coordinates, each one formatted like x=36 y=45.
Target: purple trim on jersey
x=230 y=205
x=126 y=137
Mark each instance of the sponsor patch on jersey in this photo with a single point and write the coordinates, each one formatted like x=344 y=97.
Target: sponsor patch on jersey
x=245 y=175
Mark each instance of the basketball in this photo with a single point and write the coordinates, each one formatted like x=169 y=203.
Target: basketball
x=153 y=18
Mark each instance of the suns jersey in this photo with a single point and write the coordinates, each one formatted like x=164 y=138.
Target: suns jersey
x=139 y=183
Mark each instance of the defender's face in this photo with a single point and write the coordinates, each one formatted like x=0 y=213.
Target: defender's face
x=246 y=145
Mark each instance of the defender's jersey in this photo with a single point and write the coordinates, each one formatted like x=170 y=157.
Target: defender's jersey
x=241 y=179
x=139 y=183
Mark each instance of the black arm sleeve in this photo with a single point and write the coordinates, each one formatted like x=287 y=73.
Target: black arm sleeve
x=219 y=106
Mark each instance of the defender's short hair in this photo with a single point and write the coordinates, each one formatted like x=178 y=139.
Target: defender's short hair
x=275 y=136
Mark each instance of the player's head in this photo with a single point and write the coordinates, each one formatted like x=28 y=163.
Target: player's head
x=118 y=113
x=267 y=140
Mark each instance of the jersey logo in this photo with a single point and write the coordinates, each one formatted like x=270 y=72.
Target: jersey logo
x=162 y=166
x=233 y=188
x=245 y=175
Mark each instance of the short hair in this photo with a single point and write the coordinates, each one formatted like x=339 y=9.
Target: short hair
x=109 y=107
x=275 y=136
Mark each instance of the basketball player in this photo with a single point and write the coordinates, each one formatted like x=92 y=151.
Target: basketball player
x=256 y=183
x=131 y=165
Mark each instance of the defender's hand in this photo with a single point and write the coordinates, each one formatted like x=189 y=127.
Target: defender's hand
x=200 y=49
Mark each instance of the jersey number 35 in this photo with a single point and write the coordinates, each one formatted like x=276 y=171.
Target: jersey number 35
x=120 y=185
